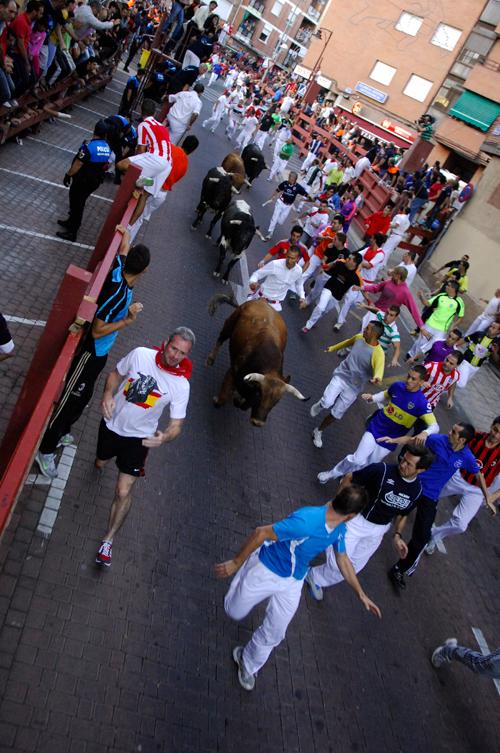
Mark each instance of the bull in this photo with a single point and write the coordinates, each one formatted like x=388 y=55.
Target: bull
x=237 y=231
x=233 y=163
x=216 y=192
x=257 y=337
x=254 y=162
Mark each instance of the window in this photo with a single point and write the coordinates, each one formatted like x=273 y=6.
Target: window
x=382 y=73
x=264 y=34
x=277 y=8
x=409 y=24
x=446 y=37
x=417 y=88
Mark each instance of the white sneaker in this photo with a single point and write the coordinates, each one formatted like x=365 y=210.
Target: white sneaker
x=66 y=440
x=437 y=659
x=336 y=327
x=47 y=464
x=324 y=477
x=315 y=591
x=431 y=547
x=246 y=679
x=317 y=438
x=316 y=409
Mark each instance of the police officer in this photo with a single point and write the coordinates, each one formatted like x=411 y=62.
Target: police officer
x=83 y=177
x=122 y=138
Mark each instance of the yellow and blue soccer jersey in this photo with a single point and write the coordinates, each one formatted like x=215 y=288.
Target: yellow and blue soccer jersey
x=402 y=410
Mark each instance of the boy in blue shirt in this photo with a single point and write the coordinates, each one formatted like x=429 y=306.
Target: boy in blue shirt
x=451 y=454
x=273 y=563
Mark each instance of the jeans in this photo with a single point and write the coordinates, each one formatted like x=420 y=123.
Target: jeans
x=7 y=87
x=488 y=665
x=415 y=207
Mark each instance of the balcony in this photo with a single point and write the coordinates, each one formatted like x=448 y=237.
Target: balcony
x=255 y=7
x=244 y=34
x=484 y=80
x=313 y=14
x=303 y=36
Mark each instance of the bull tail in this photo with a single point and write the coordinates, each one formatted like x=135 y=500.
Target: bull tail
x=219 y=298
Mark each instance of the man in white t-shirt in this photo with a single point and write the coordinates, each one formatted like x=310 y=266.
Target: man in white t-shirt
x=408 y=263
x=135 y=396
x=398 y=227
x=185 y=110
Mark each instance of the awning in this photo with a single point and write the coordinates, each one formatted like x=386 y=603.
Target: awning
x=475 y=110
x=375 y=130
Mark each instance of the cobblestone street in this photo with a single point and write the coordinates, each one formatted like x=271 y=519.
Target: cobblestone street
x=138 y=658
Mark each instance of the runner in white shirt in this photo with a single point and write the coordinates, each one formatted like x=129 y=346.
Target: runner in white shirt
x=315 y=222
x=135 y=395
x=286 y=104
x=276 y=278
x=484 y=320
x=373 y=260
x=235 y=101
x=185 y=110
x=329 y=165
x=408 y=262
x=398 y=227
x=219 y=108
x=249 y=127
x=361 y=165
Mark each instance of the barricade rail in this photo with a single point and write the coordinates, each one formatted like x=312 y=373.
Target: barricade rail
x=72 y=311
x=35 y=108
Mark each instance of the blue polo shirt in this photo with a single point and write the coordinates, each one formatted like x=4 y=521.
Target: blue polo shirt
x=446 y=463
x=301 y=537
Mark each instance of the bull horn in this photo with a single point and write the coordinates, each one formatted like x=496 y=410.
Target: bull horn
x=295 y=392
x=235 y=222
x=234 y=190
x=213 y=180
x=262 y=237
x=247 y=182
x=254 y=377
x=254 y=159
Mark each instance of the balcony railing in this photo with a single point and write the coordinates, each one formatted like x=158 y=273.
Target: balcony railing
x=245 y=34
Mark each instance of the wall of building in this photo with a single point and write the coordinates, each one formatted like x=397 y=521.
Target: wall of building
x=366 y=33
x=475 y=232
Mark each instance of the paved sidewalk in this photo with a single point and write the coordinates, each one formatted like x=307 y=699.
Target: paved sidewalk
x=138 y=658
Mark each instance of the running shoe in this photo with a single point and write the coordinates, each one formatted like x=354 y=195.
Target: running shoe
x=315 y=591
x=316 y=409
x=246 y=679
x=397 y=578
x=66 y=440
x=47 y=464
x=317 y=436
x=437 y=658
x=104 y=553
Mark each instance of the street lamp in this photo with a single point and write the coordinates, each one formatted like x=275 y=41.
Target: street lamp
x=318 y=34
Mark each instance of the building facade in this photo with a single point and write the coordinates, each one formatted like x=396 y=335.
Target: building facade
x=279 y=30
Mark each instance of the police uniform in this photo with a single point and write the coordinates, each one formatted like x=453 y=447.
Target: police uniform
x=131 y=86
x=95 y=156
x=121 y=137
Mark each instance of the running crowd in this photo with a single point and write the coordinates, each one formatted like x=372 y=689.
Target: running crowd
x=317 y=265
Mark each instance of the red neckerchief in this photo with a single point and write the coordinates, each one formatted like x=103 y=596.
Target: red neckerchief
x=370 y=254
x=185 y=368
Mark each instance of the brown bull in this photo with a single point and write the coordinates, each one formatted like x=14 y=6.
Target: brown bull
x=257 y=337
x=232 y=163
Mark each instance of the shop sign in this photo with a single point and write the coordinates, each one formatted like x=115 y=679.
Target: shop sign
x=371 y=92
x=301 y=71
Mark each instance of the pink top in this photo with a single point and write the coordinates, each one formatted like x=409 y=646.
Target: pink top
x=392 y=294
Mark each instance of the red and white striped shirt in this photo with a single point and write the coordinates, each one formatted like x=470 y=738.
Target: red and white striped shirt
x=154 y=136
x=438 y=381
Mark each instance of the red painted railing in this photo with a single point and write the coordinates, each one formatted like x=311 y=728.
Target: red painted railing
x=74 y=307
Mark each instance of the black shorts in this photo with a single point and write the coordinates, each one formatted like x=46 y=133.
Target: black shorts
x=129 y=452
x=6 y=344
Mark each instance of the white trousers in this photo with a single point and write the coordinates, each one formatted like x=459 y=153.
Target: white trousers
x=391 y=245
x=350 y=299
x=212 y=79
x=261 y=138
x=280 y=214
x=244 y=138
x=467 y=371
x=479 y=324
x=152 y=166
x=321 y=278
x=314 y=265
x=277 y=147
x=308 y=160
x=422 y=344
x=362 y=539
x=325 y=304
x=471 y=501
x=232 y=122
x=152 y=204
x=368 y=451
x=176 y=129
x=258 y=294
x=338 y=396
x=254 y=583
x=214 y=120
x=277 y=166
